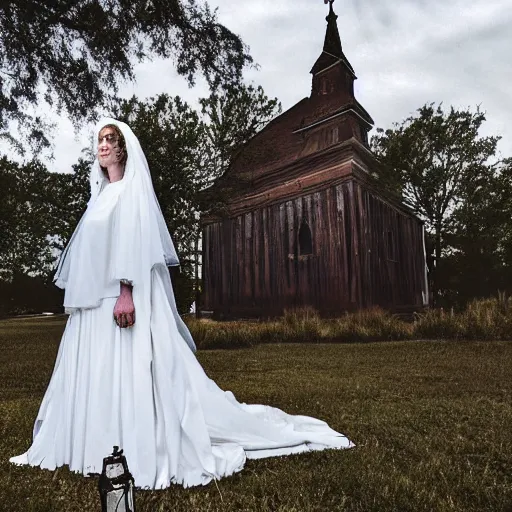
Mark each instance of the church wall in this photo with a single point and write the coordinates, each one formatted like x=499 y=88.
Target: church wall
x=363 y=253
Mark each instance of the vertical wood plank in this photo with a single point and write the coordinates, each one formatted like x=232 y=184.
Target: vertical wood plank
x=256 y=251
x=292 y=250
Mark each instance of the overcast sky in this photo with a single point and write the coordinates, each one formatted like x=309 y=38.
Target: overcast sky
x=404 y=52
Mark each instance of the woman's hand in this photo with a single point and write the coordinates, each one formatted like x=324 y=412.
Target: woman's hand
x=124 y=310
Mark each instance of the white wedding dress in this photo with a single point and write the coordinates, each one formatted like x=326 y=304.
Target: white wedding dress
x=142 y=388
x=173 y=422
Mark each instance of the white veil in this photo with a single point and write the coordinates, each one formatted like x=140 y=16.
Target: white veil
x=136 y=239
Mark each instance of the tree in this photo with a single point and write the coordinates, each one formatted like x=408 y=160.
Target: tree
x=233 y=116
x=25 y=219
x=481 y=240
x=73 y=53
x=38 y=212
x=439 y=165
x=503 y=218
x=66 y=199
x=8 y=206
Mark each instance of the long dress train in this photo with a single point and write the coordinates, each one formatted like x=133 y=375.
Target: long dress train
x=173 y=422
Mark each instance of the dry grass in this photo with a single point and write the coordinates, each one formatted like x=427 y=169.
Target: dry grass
x=489 y=319
x=431 y=420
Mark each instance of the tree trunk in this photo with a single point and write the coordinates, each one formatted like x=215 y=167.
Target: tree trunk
x=437 y=261
x=196 y=275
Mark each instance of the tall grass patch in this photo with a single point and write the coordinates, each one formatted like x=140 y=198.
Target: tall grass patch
x=370 y=325
x=485 y=319
x=482 y=319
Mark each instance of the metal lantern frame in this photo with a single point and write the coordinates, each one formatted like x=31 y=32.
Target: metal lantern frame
x=124 y=481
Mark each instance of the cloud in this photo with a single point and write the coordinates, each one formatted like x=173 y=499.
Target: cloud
x=405 y=53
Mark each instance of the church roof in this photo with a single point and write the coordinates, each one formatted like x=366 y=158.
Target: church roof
x=281 y=141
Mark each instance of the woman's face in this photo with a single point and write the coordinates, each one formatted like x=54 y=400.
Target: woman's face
x=107 y=145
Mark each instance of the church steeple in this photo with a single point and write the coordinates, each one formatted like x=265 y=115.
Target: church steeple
x=332 y=90
x=332 y=50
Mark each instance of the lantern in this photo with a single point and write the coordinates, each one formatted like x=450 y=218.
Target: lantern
x=116 y=484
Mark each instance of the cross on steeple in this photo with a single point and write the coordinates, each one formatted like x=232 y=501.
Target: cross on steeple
x=330 y=2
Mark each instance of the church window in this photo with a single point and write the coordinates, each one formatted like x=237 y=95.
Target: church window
x=323 y=85
x=305 y=240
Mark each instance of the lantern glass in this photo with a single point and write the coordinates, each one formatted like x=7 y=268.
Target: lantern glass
x=114 y=470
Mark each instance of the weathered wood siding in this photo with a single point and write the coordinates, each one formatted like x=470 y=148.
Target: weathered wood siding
x=364 y=253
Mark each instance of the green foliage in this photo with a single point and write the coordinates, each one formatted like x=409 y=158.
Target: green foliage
x=480 y=241
x=73 y=54
x=25 y=219
x=430 y=420
x=29 y=295
x=183 y=284
x=67 y=198
x=435 y=159
x=38 y=212
x=371 y=325
x=484 y=319
x=446 y=172
x=303 y=323
x=208 y=334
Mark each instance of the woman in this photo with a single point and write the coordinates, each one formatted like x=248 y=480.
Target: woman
x=126 y=373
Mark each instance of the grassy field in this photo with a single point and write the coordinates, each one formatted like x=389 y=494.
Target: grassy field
x=431 y=420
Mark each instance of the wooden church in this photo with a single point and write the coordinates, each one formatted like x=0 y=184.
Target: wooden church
x=310 y=227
